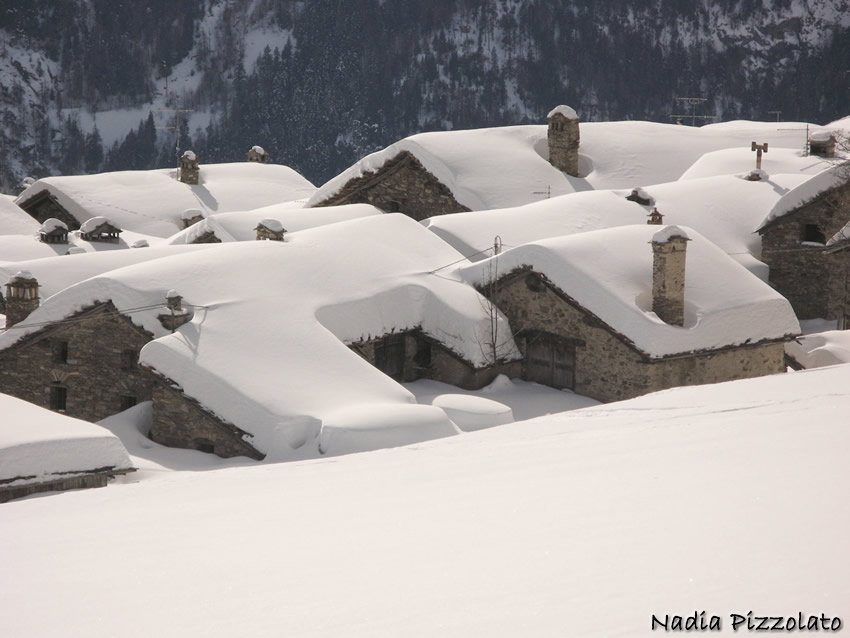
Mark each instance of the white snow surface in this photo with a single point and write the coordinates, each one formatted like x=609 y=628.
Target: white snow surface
x=821 y=349
x=581 y=524
x=35 y=443
x=724 y=208
x=271 y=318
x=241 y=225
x=508 y=166
x=152 y=202
x=667 y=233
x=609 y=272
x=14 y=220
x=806 y=191
x=92 y=223
x=52 y=224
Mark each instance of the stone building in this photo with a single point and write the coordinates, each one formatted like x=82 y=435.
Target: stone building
x=810 y=274
x=410 y=355
x=403 y=185
x=563 y=135
x=85 y=365
x=43 y=205
x=594 y=314
x=444 y=172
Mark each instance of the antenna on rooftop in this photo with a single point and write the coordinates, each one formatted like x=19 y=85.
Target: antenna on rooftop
x=806 y=143
x=693 y=103
x=776 y=113
x=175 y=128
x=547 y=192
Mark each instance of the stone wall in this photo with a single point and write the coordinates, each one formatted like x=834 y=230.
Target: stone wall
x=44 y=205
x=401 y=185
x=608 y=367
x=810 y=277
x=100 y=371
x=180 y=421
x=668 y=280
x=424 y=358
x=73 y=481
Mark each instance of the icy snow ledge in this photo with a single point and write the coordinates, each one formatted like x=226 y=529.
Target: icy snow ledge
x=567 y=111
x=369 y=427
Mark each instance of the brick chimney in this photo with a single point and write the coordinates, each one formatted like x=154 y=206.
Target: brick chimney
x=563 y=139
x=669 y=247
x=21 y=297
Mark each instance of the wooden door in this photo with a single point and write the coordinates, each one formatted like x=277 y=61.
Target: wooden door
x=550 y=361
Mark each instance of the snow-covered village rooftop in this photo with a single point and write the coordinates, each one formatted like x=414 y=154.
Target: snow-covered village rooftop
x=152 y=202
x=382 y=503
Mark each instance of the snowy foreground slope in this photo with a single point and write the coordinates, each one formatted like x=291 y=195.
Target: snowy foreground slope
x=725 y=498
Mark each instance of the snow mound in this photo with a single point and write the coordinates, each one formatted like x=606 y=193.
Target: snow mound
x=567 y=111
x=473 y=413
x=668 y=233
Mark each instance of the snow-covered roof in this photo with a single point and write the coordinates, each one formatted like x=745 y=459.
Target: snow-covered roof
x=266 y=348
x=189 y=155
x=609 y=272
x=55 y=273
x=152 y=202
x=92 y=224
x=14 y=220
x=724 y=208
x=36 y=443
x=567 y=111
x=508 y=166
x=806 y=191
x=52 y=224
x=241 y=225
x=273 y=225
x=191 y=213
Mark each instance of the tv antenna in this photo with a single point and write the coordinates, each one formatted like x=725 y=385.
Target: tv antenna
x=175 y=128
x=693 y=103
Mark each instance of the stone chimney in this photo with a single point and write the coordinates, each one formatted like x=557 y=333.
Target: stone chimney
x=177 y=315
x=258 y=154
x=822 y=144
x=270 y=229
x=191 y=216
x=190 y=168
x=668 y=274
x=21 y=297
x=563 y=139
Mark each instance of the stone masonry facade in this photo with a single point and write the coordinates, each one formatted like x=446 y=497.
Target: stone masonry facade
x=668 y=280
x=401 y=185
x=424 y=358
x=44 y=205
x=802 y=268
x=180 y=421
x=608 y=367
x=90 y=365
x=563 y=137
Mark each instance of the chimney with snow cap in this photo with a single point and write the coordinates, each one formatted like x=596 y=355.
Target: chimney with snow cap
x=258 y=154
x=563 y=139
x=178 y=315
x=190 y=168
x=191 y=216
x=668 y=274
x=21 y=297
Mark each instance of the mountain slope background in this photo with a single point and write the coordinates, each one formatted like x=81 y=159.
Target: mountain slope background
x=92 y=85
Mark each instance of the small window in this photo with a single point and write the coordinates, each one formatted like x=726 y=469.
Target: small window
x=58 y=398
x=127 y=402
x=813 y=233
x=60 y=351
x=129 y=359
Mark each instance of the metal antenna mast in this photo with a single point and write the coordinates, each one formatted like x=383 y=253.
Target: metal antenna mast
x=692 y=102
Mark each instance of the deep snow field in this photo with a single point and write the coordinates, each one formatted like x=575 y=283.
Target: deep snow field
x=723 y=499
